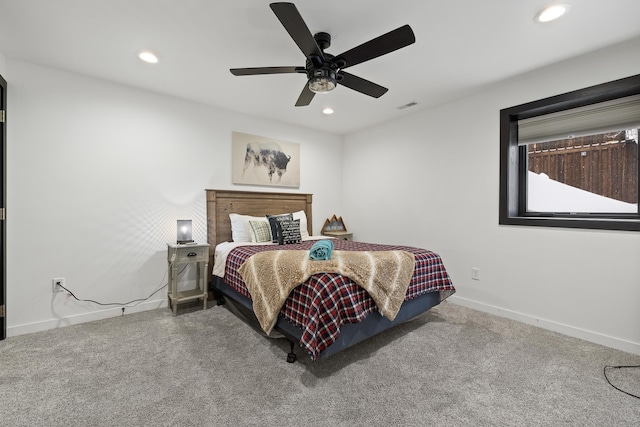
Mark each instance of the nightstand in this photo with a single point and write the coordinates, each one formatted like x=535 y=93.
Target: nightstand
x=342 y=235
x=197 y=254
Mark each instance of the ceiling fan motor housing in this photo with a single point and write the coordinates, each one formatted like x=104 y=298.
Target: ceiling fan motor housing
x=326 y=67
x=322 y=72
x=322 y=69
x=323 y=40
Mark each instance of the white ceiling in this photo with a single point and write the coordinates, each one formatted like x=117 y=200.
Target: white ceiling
x=461 y=46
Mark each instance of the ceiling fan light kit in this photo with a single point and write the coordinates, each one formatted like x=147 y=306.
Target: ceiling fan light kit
x=323 y=81
x=323 y=70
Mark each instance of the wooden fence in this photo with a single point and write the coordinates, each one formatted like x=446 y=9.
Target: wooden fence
x=592 y=163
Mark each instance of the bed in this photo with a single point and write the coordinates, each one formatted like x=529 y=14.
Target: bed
x=328 y=312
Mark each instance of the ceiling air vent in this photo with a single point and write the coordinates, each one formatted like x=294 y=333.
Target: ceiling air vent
x=411 y=104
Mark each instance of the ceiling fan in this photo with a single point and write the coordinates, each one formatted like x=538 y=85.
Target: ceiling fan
x=324 y=71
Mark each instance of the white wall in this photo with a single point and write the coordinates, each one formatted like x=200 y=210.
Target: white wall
x=3 y=64
x=98 y=174
x=433 y=181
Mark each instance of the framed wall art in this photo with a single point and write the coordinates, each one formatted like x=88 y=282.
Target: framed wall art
x=259 y=160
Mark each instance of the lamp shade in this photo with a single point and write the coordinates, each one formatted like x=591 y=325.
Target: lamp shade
x=184 y=231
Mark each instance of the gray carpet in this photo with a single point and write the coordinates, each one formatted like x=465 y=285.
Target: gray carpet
x=451 y=367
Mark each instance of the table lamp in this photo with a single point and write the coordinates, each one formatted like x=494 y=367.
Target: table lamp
x=184 y=231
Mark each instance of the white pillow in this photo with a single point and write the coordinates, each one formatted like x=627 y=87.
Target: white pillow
x=302 y=216
x=240 y=229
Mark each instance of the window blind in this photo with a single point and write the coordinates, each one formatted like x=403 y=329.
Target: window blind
x=608 y=116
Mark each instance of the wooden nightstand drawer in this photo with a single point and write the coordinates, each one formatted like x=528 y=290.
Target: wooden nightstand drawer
x=342 y=235
x=188 y=253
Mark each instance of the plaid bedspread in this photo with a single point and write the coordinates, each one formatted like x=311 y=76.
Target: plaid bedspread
x=331 y=300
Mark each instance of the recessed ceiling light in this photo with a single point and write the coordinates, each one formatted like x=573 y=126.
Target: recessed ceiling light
x=551 y=13
x=327 y=111
x=147 y=56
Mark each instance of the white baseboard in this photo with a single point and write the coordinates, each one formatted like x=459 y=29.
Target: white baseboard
x=606 y=340
x=83 y=318
x=572 y=331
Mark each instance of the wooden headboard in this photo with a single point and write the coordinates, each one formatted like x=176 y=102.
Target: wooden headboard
x=220 y=203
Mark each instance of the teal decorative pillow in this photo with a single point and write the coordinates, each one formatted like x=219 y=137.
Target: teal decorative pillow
x=260 y=231
x=288 y=231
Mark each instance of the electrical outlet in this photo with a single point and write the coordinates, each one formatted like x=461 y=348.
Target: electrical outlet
x=475 y=273
x=56 y=282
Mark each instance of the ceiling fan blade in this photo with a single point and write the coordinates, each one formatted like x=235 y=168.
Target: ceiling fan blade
x=292 y=21
x=305 y=97
x=264 y=70
x=361 y=85
x=386 y=43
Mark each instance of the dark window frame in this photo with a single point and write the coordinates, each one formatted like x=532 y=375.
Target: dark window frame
x=513 y=176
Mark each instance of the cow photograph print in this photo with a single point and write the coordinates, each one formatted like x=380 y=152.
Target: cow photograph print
x=258 y=160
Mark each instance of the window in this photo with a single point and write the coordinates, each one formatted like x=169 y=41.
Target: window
x=572 y=160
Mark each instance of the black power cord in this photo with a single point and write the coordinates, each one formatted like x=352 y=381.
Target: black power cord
x=112 y=303
x=122 y=303
x=620 y=367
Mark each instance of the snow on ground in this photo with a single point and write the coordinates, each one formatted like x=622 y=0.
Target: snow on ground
x=547 y=195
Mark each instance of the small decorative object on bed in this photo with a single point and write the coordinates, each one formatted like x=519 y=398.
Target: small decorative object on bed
x=257 y=160
x=321 y=250
x=327 y=305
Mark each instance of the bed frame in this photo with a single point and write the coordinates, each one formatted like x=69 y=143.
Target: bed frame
x=220 y=203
